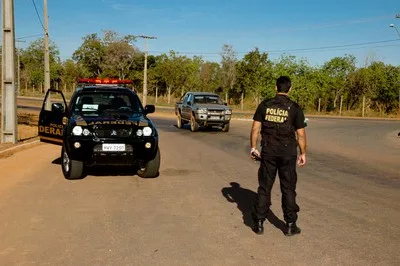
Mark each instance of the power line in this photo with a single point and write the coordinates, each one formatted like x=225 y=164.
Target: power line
x=37 y=13
x=337 y=24
x=29 y=36
x=344 y=49
x=308 y=51
x=291 y=50
x=332 y=47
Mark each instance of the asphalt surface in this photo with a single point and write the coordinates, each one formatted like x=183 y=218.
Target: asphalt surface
x=197 y=212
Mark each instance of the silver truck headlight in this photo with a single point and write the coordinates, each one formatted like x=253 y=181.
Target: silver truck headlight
x=228 y=112
x=202 y=111
x=147 y=131
x=77 y=130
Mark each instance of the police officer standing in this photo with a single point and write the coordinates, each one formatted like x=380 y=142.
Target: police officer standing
x=280 y=121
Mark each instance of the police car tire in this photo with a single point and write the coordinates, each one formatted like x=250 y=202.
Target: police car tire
x=225 y=128
x=179 y=122
x=75 y=167
x=194 y=126
x=152 y=167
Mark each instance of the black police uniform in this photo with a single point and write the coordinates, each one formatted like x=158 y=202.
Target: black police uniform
x=280 y=118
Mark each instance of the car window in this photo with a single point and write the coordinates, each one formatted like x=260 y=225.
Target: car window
x=185 y=98
x=207 y=99
x=190 y=97
x=199 y=99
x=96 y=103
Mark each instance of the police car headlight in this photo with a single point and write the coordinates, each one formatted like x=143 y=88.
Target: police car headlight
x=147 y=131
x=86 y=132
x=228 y=112
x=202 y=111
x=139 y=133
x=77 y=130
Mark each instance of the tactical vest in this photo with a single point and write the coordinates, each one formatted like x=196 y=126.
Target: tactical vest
x=278 y=131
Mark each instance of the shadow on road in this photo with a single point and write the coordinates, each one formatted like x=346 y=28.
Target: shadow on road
x=245 y=199
x=201 y=128
x=57 y=161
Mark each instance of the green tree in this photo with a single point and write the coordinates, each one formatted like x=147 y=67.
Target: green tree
x=357 y=86
x=338 y=69
x=156 y=84
x=385 y=84
x=112 y=56
x=210 y=76
x=305 y=80
x=191 y=73
x=254 y=74
x=228 y=69
x=32 y=63
x=90 y=55
x=172 y=67
x=71 y=72
x=119 y=55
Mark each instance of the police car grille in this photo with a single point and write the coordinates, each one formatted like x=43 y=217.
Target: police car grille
x=110 y=133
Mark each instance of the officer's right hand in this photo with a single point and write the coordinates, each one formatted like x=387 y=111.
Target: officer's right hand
x=255 y=154
x=301 y=161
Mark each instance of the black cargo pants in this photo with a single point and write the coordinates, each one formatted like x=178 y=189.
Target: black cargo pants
x=285 y=166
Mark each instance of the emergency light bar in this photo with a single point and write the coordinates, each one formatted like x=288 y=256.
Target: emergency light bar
x=104 y=81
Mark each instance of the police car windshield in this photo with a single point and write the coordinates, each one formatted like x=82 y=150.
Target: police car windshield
x=104 y=103
x=207 y=99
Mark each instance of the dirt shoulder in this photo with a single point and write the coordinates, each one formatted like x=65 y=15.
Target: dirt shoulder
x=27 y=135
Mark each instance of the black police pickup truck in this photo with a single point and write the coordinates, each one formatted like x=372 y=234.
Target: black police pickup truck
x=103 y=124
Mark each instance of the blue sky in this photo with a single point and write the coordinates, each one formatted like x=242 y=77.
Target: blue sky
x=203 y=27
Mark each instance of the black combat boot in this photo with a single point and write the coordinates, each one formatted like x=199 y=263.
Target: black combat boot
x=258 y=227
x=292 y=229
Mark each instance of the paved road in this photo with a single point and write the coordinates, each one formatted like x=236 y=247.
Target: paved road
x=198 y=211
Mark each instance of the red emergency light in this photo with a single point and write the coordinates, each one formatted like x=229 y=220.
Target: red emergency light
x=104 y=81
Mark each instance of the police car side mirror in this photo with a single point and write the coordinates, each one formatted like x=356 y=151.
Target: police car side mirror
x=57 y=107
x=148 y=109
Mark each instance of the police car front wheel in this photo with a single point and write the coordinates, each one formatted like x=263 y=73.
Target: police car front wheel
x=151 y=169
x=72 y=169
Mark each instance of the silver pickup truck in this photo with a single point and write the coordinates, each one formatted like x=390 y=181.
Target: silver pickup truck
x=202 y=109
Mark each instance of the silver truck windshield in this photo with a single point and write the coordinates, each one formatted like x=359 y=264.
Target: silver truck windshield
x=207 y=99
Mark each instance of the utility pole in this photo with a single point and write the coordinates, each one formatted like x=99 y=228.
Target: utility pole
x=46 y=48
x=144 y=101
x=18 y=68
x=398 y=16
x=9 y=129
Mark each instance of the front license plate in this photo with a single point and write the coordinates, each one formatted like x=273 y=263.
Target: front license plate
x=214 y=117
x=113 y=147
